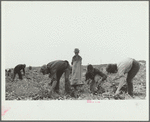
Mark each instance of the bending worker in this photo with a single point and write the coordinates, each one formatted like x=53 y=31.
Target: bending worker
x=128 y=66
x=56 y=69
x=17 y=70
x=95 y=75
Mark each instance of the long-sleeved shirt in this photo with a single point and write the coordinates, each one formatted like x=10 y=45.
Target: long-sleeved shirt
x=58 y=65
x=95 y=72
x=19 y=67
x=124 y=67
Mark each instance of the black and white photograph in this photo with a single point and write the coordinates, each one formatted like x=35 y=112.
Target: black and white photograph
x=75 y=60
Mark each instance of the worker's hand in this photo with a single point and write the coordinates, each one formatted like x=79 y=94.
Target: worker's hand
x=96 y=88
x=117 y=92
x=89 y=81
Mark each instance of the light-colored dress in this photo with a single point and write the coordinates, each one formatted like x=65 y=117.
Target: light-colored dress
x=76 y=70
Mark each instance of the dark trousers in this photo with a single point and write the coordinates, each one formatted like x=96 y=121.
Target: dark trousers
x=131 y=74
x=19 y=74
x=55 y=76
x=58 y=74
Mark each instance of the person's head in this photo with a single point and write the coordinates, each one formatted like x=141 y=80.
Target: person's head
x=112 y=68
x=76 y=51
x=44 y=69
x=90 y=68
x=30 y=67
x=9 y=70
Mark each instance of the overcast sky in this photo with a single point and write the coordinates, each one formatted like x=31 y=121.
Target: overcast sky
x=35 y=33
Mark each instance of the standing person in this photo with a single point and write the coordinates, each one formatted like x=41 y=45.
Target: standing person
x=56 y=69
x=17 y=70
x=76 y=69
x=128 y=66
x=96 y=76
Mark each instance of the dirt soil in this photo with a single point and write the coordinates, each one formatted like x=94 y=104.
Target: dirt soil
x=35 y=86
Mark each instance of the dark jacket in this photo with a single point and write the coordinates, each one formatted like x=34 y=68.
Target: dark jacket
x=19 y=67
x=91 y=75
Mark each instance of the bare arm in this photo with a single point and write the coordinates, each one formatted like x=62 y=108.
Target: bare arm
x=81 y=59
x=119 y=75
x=72 y=62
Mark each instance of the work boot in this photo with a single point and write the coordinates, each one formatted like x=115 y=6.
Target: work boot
x=74 y=94
x=54 y=94
x=116 y=97
x=57 y=91
x=128 y=96
x=131 y=94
